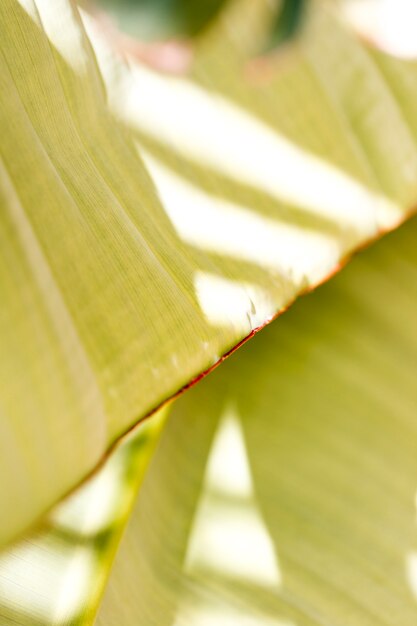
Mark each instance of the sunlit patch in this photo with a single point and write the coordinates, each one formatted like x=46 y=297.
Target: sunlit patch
x=75 y=582
x=29 y=7
x=228 y=471
x=91 y=508
x=390 y=24
x=60 y=23
x=45 y=569
x=231 y=540
x=215 y=225
x=229 y=537
x=32 y=567
x=411 y=570
x=204 y=614
x=216 y=133
x=411 y=567
x=225 y=302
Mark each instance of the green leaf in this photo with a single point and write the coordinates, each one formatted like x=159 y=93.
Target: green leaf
x=293 y=500
x=161 y=19
x=118 y=287
x=287 y=23
x=149 y=19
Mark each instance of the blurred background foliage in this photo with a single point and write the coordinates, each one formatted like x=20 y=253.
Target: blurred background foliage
x=162 y=19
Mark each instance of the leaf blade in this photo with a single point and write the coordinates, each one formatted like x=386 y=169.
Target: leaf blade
x=295 y=494
x=111 y=308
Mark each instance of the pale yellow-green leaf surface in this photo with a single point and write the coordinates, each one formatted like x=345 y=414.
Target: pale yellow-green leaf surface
x=283 y=489
x=119 y=286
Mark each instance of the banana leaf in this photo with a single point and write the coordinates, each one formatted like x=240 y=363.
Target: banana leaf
x=293 y=500
x=118 y=286
x=151 y=224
